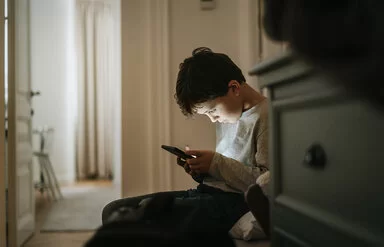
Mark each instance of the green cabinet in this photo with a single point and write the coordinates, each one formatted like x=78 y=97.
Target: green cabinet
x=327 y=159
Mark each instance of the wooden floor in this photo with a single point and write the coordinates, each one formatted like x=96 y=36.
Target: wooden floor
x=58 y=239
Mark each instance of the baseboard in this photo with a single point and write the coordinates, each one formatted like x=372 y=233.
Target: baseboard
x=66 y=180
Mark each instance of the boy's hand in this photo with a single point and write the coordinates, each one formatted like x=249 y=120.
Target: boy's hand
x=184 y=164
x=202 y=162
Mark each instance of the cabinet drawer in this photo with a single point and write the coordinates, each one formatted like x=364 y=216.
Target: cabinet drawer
x=351 y=134
x=297 y=229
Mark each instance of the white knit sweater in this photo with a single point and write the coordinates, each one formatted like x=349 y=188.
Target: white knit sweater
x=241 y=151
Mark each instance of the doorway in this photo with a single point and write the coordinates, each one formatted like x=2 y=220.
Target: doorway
x=54 y=76
x=74 y=67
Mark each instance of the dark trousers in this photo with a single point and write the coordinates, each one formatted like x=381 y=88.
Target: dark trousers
x=205 y=208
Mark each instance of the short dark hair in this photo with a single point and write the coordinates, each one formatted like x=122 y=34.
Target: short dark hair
x=204 y=76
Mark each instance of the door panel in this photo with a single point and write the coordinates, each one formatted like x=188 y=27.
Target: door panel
x=2 y=134
x=21 y=206
x=23 y=128
x=22 y=101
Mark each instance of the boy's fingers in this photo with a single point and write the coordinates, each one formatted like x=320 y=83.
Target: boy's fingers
x=196 y=167
x=196 y=153
x=186 y=168
x=193 y=162
x=180 y=162
x=195 y=170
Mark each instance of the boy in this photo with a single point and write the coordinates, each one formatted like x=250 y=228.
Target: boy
x=211 y=84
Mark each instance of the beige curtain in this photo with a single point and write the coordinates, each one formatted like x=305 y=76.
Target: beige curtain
x=96 y=90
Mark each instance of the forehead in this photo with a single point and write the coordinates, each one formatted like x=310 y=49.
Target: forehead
x=202 y=108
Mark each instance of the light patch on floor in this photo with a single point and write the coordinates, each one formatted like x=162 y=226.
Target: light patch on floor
x=58 y=239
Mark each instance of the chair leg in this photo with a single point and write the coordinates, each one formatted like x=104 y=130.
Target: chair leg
x=56 y=183
x=51 y=187
x=44 y=179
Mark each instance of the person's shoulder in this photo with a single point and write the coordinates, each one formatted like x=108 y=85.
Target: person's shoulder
x=261 y=110
x=262 y=106
x=263 y=101
x=257 y=111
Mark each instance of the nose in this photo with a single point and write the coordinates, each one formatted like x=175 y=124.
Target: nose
x=213 y=118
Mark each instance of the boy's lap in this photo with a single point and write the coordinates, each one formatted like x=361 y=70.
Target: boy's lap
x=133 y=202
x=195 y=207
x=252 y=243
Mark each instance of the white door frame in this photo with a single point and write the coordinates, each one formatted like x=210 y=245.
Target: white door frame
x=2 y=135
x=21 y=206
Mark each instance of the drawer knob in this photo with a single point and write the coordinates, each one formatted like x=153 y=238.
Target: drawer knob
x=315 y=156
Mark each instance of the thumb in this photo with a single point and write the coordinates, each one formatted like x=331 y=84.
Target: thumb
x=196 y=153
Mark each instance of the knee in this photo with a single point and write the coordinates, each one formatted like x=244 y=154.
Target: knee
x=108 y=210
x=113 y=207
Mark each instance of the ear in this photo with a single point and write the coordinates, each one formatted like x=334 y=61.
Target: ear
x=234 y=87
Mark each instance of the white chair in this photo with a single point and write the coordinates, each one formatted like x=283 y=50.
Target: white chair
x=48 y=181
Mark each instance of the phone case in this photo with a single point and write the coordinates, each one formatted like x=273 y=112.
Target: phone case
x=177 y=152
x=174 y=150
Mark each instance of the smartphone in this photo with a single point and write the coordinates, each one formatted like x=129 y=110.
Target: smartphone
x=178 y=152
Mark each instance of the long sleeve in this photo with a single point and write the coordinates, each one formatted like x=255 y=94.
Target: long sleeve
x=236 y=174
x=262 y=145
x=241 y=151
x=233 y=173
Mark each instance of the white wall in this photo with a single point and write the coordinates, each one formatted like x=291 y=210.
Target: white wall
x=134 y=168
x=229 y=29
x=53 y=74
x=117 y=109
x=191 y=27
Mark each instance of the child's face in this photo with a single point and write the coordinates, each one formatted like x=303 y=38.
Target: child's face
x=225 y=109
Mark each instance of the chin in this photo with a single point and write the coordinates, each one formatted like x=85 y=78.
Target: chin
x=230 y=121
